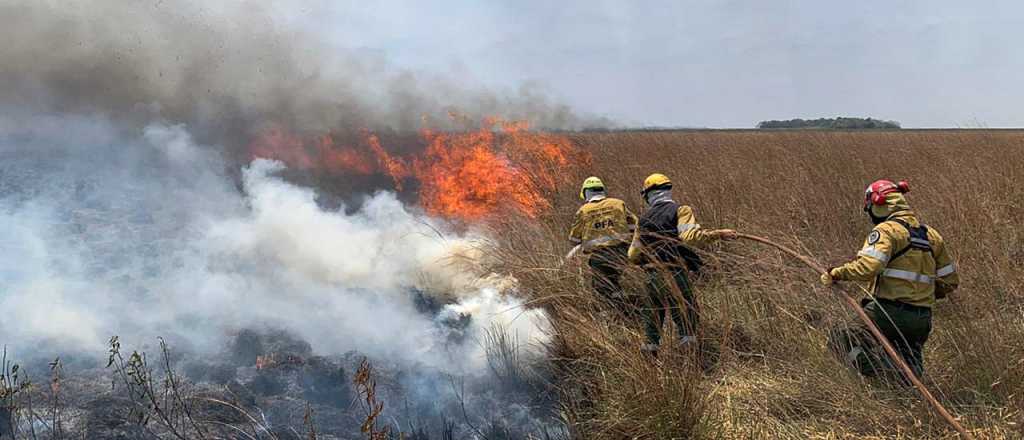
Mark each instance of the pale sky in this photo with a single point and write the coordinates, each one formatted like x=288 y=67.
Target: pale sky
x=714 y=63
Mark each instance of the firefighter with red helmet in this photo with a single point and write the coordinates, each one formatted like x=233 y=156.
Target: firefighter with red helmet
x=908 y=267
x=661 y=245
x=601 y=231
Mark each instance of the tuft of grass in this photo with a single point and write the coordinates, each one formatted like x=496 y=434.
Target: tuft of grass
x=501 y=348
x=366 y=384
x=13 y=385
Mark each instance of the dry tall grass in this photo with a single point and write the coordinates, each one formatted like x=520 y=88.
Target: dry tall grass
x=765 y=317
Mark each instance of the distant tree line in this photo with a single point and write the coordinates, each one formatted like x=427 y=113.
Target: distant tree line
x=831 y=123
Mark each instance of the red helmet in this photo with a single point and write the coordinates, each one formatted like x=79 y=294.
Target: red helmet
x=876 y=192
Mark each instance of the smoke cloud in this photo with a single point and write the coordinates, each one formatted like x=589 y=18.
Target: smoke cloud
x=107 y=234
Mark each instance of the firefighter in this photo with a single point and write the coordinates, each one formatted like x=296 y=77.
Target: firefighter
x=908 y=267
x=659 y=245
x=601 y=231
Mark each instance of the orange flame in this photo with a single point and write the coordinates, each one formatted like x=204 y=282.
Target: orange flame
x=393 y=167
x=500 y=168
x=347 y=158
x=472 y=175
x=317 y=153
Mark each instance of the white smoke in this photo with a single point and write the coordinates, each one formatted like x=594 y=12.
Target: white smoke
x=143 y=235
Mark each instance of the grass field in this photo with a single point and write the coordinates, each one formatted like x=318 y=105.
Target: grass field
x=765 y=315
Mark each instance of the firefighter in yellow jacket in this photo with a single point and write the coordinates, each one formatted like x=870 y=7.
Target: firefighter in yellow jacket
x=601 y=231
x=908 y=267
x=660 y=245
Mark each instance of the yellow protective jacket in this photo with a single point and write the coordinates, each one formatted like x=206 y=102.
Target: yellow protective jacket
x=663 y=220
x=602 y=222
x=916 y=277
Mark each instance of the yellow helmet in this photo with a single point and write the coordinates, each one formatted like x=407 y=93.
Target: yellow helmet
x=591 y=183
x=656 y=180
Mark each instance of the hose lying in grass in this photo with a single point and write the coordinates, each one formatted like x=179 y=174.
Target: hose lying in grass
x=874 y=330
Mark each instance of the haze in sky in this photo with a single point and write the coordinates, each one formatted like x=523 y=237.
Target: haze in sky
x=712 y=63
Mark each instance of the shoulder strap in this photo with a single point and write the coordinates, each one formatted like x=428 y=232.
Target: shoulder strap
x=918 y=239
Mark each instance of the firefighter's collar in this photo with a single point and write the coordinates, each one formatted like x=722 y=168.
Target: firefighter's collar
x=903 y=214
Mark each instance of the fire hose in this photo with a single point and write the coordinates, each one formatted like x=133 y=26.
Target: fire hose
x=896 y=358
x=874 y=331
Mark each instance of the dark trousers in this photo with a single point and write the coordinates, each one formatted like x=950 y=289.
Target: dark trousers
x=906 y=327
x=606 y=266
x=669 y=292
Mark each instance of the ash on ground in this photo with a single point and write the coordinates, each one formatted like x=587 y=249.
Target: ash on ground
x=270 y=384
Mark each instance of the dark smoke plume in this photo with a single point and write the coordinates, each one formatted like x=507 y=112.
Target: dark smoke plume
x=225 y=68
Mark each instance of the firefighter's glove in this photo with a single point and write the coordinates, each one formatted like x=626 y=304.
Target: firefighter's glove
x=826 y=278
x=726 y=234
